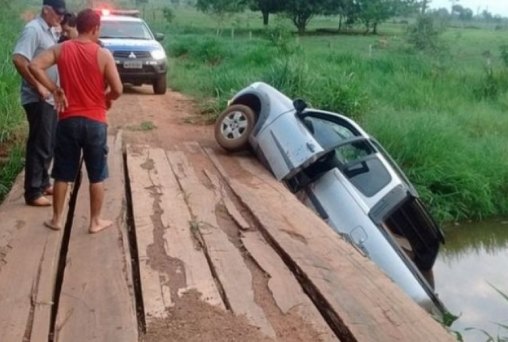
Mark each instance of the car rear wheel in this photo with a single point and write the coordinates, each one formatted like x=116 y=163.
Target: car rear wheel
x=159 y=85
x=234 y=126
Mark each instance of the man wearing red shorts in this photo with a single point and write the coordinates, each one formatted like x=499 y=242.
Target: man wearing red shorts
x=85 y=70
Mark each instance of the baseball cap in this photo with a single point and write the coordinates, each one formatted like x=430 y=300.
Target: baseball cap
x=57 y=5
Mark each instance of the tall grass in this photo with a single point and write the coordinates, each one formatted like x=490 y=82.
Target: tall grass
x=11 y=112
x=442 y=117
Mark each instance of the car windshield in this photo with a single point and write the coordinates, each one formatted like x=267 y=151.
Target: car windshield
x=351 y=152
x=125 y=30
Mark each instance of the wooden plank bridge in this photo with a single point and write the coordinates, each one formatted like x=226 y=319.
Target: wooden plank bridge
x=192 y=220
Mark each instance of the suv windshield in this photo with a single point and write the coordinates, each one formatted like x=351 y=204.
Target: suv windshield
x=125 y=30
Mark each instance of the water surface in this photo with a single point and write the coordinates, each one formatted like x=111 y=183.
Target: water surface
x=475 y=258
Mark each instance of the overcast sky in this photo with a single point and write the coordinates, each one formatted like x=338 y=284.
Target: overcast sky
x=493 y=6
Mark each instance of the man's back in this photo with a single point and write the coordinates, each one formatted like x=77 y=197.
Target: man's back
x=82 y=79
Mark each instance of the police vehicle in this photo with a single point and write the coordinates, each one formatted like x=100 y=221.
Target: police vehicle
x=139 y=56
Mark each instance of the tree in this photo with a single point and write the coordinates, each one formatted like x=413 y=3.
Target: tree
x=266 y=7
x=374 y=12
x=220 y=8
x=347 y=10
x=424 y=34
x=486 y=15
x=301 y=11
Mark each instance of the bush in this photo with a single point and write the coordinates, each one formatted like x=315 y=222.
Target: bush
x=424 y=34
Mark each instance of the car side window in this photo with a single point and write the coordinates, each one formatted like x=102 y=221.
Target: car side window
x=353 y=154
x=327 y=133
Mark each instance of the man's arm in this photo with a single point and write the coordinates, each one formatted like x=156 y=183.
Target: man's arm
x=23 y=53
x=38 y=68
x=42 y=62
x=112 y=77
x=21 y=64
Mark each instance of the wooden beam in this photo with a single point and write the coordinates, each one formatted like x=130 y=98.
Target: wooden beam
x=286 y=290
x=157 y=196
x=29 y=254
x=227 y=260
x=97 y=301
x=359 y=301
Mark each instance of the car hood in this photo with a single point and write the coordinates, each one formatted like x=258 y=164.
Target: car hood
x=129 y=44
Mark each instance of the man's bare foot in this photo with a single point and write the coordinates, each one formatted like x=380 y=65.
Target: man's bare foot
x=99 y=225
x=39 y=202
x=51 y=225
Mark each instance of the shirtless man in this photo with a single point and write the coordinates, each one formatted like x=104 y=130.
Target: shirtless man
x=85 y=70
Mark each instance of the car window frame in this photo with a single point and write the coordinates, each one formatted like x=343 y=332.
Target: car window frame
x=359 y=136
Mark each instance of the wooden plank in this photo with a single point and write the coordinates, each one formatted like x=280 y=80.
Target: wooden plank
x=154 y=189
x=43 y=300
x=228 y=203
x=227 y=260
x=361 y=302
x=97 y=302
x=154 y=284
x=179 y=241
x=29 y=255
x=284 y=287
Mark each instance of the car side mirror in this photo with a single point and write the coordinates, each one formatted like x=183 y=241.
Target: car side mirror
x=299 y=105
x=159 y=36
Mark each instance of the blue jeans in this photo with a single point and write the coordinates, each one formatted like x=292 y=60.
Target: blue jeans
x=42 y=121
x=78 y=135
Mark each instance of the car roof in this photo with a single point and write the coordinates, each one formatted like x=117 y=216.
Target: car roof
x=120 y=18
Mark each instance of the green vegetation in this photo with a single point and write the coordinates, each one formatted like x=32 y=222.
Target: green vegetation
x=11 y=113
x=440 y=112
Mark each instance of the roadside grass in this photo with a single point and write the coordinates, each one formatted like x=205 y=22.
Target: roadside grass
x=143 y=126
x=11 y=112
x=441 y=116
x=10 y=168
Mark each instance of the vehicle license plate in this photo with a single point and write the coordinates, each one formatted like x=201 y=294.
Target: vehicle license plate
x=133 y=65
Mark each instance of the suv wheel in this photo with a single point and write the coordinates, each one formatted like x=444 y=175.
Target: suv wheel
x=233 y=127
x=159 y=85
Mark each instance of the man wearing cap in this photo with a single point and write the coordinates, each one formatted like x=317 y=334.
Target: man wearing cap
x=37 y=36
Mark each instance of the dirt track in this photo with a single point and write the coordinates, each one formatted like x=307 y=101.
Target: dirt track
x=170 y=114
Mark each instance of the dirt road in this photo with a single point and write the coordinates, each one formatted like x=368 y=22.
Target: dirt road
x=160 y=121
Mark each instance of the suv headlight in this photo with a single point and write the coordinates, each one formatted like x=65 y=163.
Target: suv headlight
x=158 y=54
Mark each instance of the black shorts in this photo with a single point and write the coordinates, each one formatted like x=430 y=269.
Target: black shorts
x=73 y=136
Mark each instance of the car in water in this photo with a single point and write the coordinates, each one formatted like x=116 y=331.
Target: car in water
x=345 y=176
x=138 y=54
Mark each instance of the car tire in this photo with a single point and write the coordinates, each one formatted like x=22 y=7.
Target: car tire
x=234 y=126
x=159 y=85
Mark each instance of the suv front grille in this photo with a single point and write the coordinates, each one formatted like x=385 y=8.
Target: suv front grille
x=126 y=54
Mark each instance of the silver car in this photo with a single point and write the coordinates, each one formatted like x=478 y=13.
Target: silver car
x=346 y=176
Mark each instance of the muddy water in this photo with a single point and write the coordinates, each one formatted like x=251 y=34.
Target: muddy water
x=475 y=258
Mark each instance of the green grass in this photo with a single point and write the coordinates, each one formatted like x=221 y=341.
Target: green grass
x=11 y=112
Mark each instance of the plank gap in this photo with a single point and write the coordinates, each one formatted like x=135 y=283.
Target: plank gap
x=64 y=247
x=133 y=247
